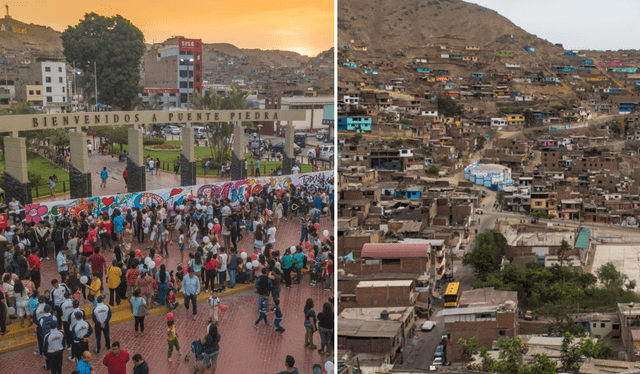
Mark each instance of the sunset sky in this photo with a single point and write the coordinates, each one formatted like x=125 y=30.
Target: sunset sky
x=303 y=26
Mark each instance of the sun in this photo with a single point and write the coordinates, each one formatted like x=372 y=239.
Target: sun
x=302 y=51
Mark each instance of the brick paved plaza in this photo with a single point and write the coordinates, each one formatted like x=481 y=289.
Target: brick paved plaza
x=243 y=348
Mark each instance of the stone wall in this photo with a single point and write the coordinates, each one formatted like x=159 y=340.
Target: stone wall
x=79 y=182
x=238 y=168
x=14 y=188
x=187 y=172
x=136 y=176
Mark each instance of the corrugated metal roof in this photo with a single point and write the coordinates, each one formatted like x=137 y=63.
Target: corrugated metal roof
x=385 y=283
x=635 y=334
x=462 y=311
x=368 y=329
x=583 y=238
x=395 y=250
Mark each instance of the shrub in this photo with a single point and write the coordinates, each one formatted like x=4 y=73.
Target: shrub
x=147 y=140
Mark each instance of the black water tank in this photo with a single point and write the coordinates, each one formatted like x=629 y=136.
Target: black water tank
x=384 y=315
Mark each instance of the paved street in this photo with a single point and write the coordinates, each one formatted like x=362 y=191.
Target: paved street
x=243 y=348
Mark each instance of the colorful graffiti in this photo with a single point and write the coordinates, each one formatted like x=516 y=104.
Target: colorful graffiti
x=235 y=191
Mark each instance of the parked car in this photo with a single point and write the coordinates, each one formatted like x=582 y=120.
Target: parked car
x=528 y=315
x=428 y=325
x=321 y=134
x=255 y=144
x=172 y=130
x=279 y=147
x=326 y=152
x=438 y=361
x=440 y=351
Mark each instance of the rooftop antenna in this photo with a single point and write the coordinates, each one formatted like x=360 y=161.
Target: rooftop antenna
x=7 y=6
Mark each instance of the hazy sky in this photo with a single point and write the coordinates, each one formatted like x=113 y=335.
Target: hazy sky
x=303 y=26
x=577 y=24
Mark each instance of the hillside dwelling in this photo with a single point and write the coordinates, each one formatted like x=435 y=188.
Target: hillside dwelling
x=504 y=54
x=350 y=64
x=420 y=60
x=587 y=61
x=499 y=122
x=529 y=49
x=423 y=70
x=512 y=66
x=571 y=53
x=359 y=47
x=472 y=48
x=444 y=55
x=477 y=75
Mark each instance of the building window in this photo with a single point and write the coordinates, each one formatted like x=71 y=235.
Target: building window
x=602 y=325
x=64 y=99
x=38 y=92
x=49 y=89
x=59 y=79
x=47 y=69
x=391 y=261
x=595 y=325
x=30 y=92
x=49 y=99
x=62 y=89
x=59 y=69
x=502 y=332
x=47 y=79
x=198 y=67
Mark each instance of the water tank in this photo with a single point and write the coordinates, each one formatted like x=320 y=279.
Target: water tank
x=384 y=315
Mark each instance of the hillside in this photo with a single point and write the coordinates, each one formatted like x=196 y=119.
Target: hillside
x=28 y=36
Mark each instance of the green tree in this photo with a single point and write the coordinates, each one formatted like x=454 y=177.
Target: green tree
x=486 y=256
x=500 y=197
x=509 y=358
x=480 y=140
x=563 y=257
x=433 y=169
x=541 y=365
x=448 y=107
x=601 y=349
x=613 y=281
x=116 y=46
x=468 y=347
x=570 y=354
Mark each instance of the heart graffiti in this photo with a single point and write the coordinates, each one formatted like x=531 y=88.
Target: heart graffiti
x=108 y=200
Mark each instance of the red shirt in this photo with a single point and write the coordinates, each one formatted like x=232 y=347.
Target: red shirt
x=34 y=262
x=107 y=225
x=97 y=262
x=116 y=364
x=87 y=246
x=211 y=265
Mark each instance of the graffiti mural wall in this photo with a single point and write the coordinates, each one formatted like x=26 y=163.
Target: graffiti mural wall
x=236 y=191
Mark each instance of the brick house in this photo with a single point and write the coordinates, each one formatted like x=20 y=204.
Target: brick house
x=413 y=258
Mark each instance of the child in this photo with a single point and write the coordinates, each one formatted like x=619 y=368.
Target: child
x=33 y=304
x=77 y=294
x=164 y=242
x=172 y=337
x=179 y=277
x=276 y=310
x=181 y=245
x=172 y=302
x=264 y=308
x=214 y=306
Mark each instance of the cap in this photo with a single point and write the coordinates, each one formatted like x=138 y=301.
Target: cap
x=66 y=295
x=76 y=303
x=170 y=316
x=100 y=299
x=47 y=308
x=215 y=220
x=77 y=314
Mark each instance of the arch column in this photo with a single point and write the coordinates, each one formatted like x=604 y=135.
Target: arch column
x=79 y=173
x=289 y=156
x=136 y=176
x=16 y=180
x=187 y=157
x=238 y=162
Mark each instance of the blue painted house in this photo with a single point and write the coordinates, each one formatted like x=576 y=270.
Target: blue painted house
x=361 y=125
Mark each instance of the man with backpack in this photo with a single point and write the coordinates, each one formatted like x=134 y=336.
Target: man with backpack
x=264 y=287
x=44 y=326
x=81 y=332
x=53 y=348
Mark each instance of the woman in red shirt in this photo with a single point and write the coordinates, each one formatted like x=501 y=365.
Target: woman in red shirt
x=87 y=245
x=104 y=228
x=210 y=268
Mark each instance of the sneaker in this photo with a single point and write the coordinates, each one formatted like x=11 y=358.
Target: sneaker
x=47 y=259
x=255 y=325
x=96 y=351
x=70 y=358
x=170 y=359
x=327 y=289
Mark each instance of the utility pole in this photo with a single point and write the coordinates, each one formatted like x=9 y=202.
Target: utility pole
x=95 y=76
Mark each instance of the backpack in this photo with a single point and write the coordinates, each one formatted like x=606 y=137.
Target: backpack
x=45 y=322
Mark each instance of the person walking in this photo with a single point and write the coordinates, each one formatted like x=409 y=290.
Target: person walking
x=138 y=314
x=172 y=336
x=84 y=365
x=210 y=349
x=309 y=324
x=52 y=185
x=139 y=365
x=325 y=328
x=289 y=363
x=104 y=175
x=125 y=174
x=81 y=332
x=101 y=318
x=53 y=347
x=116 y=360
x=287 y=266
x=278 y=314
x=191 y=289
x=263 y=308
x=114 y=278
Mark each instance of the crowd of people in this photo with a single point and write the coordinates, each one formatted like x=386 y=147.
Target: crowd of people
x=203 y=232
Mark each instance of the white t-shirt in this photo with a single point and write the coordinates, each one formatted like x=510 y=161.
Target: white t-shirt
x=214 y=302
x=295 y=169
x=90 y=147
x=14 y=205
x=223 y=262
x=272 y=234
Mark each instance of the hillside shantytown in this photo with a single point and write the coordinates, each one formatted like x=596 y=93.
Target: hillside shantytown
x=488 y=196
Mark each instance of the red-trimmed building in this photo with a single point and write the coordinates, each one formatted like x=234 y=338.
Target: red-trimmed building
x=409 y=258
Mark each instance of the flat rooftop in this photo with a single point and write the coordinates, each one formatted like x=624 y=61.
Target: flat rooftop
x=623 y=256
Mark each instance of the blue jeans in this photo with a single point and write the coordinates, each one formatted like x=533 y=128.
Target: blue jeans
x=232 y=277
x=262 y=300
x=276 y=323
x=163 y=288
x=74 y=259
x=304 y=235
x=174 y=307
x=262 y=316
x=276 y=293
x=193 y=301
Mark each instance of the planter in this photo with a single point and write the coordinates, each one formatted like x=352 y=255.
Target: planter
x=163 y=148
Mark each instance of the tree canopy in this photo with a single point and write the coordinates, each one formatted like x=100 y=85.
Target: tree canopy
x=116 y=46
x=488 y=250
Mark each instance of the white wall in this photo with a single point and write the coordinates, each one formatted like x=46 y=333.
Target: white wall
x=57 y=87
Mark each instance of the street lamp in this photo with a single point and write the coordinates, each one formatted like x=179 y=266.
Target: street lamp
x=191 y=61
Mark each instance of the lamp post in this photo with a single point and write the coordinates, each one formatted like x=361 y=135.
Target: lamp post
x=188 y=81
x=260 y=139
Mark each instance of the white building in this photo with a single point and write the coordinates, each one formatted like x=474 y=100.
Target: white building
x=54 y=84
